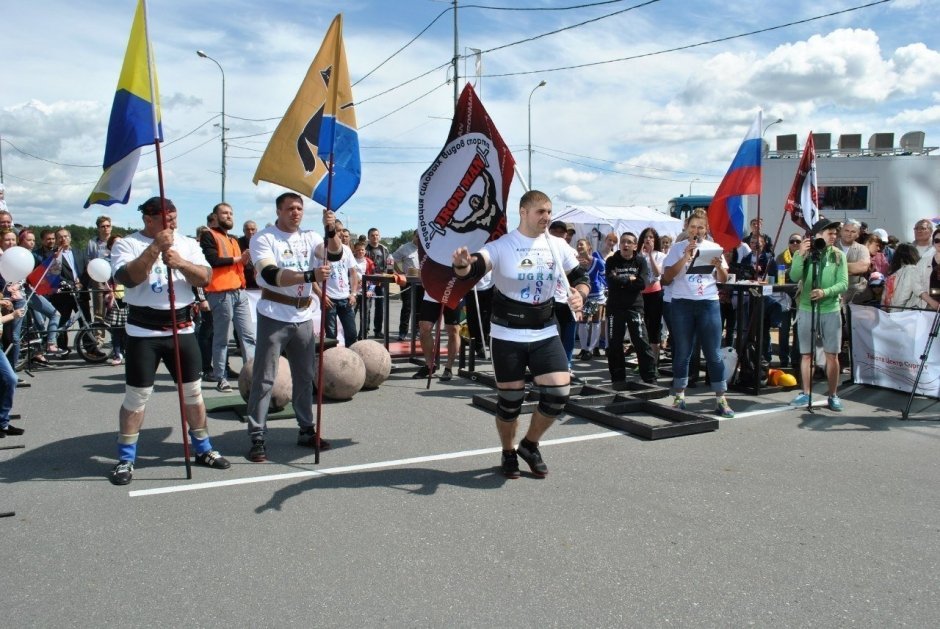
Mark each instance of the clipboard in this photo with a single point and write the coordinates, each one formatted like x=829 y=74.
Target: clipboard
x=702 y=262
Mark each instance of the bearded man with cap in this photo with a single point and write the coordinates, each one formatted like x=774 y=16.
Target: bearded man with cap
x=822 y=271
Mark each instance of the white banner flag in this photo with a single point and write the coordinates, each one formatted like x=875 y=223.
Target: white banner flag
x=887 y=346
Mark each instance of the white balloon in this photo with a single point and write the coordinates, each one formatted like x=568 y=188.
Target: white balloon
x=99 y=270
x=16 y=263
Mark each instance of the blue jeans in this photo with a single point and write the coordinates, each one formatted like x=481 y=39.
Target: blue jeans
x=42 y=308
x=226 y=307
x=7 y=387
x=701 y=319
x=347 y=316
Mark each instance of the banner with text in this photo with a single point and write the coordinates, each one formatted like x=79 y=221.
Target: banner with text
x=887 y=346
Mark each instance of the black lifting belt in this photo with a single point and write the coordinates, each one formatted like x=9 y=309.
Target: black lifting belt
x=510 y=313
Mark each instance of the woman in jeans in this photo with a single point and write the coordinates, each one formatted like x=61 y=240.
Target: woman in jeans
x=694 y=312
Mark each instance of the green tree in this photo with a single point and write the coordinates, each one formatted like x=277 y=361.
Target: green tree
x=401 y=239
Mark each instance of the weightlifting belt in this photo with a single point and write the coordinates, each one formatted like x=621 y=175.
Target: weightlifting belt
x=510 y=313
x=298 y=302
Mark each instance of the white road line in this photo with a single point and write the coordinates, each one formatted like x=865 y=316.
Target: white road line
x=357 y=468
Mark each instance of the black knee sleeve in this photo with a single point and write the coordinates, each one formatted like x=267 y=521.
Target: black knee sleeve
x=552 y=399
x=509 y=404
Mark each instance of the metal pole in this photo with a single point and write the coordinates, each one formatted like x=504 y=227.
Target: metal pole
x=541 y=84
x=456 y=59
x=224 y=147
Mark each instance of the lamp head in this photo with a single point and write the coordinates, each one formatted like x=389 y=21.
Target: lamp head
x=202 y=54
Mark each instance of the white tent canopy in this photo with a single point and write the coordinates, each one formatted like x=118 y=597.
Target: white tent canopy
x=595 y=222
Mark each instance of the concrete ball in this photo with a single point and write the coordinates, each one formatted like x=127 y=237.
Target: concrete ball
x=281 y=393
x=344 y=373
x=377 y=360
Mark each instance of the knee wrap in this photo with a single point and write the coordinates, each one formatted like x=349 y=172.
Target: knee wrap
x=552 y=399
x=192 y=393
x=509 y=404
x=135 y=398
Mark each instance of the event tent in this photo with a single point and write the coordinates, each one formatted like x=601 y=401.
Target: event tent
x=594 y=222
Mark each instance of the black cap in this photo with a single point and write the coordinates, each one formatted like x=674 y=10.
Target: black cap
x=823 y=224
x=558 y=225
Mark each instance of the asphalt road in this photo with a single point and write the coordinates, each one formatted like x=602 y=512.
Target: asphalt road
x=779 y=518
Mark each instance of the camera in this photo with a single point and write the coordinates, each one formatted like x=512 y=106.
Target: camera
x=819 y=244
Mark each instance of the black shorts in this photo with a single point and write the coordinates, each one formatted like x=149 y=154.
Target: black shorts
x=145 y=353
x=430 y=311
x=510 y=358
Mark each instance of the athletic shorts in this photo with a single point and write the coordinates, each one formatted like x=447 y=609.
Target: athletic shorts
x=510 y=358
x=829 y=328
x=145 y=353
x=430 y=311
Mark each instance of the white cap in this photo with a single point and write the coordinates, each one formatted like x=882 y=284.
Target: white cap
x=881 y=234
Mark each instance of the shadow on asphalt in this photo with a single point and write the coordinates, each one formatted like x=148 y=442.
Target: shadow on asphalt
x=416 y=481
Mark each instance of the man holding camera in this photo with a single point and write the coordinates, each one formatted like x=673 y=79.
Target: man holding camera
x=822 y=271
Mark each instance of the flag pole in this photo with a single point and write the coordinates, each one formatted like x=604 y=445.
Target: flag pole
x=329 y=203
x=171 y=292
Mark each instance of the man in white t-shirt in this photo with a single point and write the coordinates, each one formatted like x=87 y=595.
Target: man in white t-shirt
x=342 y=290
x=406 y=263
x=527 y=263
x=287 y=262
x=144 y=262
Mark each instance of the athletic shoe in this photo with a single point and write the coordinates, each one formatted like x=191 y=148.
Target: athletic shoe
x=585 y=355
x=447 y=375
x=531 y=455
x=257 y=454
x=835 y=404
x=223 y=386
x=10 y=431
x=510 y=465
x=802 y=399
x=122 y=473
x=679 y=402
x=722 y=408
x=598 y=351
x=424 y=372
x=213 y=459
x=307 y=438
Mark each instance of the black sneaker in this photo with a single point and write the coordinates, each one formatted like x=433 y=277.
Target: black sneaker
x=530 y=454
x=447 y=374
x=308 y=438
x=424 y=372
x=257 y=454
x=510 y=464
x=223 y=386
x=213 y=459
x=10 y=431
x=122 y=473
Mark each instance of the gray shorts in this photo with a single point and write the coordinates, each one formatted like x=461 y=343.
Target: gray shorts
x=828 y=327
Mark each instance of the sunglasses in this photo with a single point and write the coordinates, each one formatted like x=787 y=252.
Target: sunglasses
x=795 y=242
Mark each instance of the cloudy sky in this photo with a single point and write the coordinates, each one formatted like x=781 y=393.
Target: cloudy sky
x=647 y=125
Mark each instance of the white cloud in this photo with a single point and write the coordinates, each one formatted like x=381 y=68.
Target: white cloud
x=572 y=176
x=574 y=194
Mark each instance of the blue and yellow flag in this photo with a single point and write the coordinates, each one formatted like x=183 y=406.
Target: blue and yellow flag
x=320 y=124
x=135 y=117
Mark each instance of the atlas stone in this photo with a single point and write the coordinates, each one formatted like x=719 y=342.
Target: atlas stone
x=344 y=373
x=281 y=392
x=377 y=360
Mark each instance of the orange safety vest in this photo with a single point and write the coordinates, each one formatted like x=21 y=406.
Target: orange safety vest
x=226 y=277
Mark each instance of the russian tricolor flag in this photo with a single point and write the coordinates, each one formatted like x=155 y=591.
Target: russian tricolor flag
x=726 y=215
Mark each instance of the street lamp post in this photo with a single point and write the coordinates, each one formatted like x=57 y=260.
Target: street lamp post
x=761 y=191
x=690 y=185
x=205 y=56
x=541 y=84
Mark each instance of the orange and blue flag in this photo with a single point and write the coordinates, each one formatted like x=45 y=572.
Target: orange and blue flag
x=726 y=213
x=135 y=117
x=315 y=149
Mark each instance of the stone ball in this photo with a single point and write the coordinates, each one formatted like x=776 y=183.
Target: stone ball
x=377 y=360
x=282 y=391
x=344 y=373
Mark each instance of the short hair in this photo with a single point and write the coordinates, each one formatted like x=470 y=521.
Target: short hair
x=852 y=221
x=632 y=234
x=532 y=197
x=249 y=222
x=924 y=221
x=6 y=213
x=373 y=230
x=587 y=243
x=154 y=205
x=101 y=219
x=46 y=232
x=293 y=196
x=217 y=206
